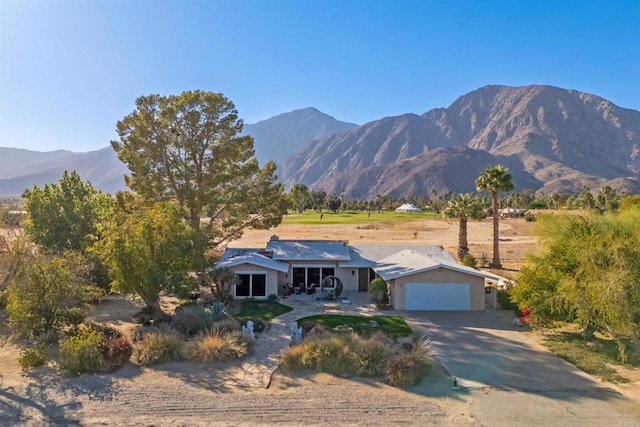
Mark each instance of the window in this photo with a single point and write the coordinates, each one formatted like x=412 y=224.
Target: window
x=251 y=285
x=303 y=276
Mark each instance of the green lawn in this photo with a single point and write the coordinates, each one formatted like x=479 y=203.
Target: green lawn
x=352 y=217
x=395 y=326
x=261 y=309
x=594 y=356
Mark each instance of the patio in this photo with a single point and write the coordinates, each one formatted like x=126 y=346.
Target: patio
x=348 y=302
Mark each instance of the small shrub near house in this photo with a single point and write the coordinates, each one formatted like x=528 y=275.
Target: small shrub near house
x=160 y=347
x=33 y=357
x=217 y=345
x=228 y=325
x=81 y=353
x=410 y=363
x=116 y=349
x=192 y=319
x=469 y=260
x=378 y=291
x=504 y=299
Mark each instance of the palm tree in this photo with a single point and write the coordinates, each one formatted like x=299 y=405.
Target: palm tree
x=495 y=179
x=464 y=207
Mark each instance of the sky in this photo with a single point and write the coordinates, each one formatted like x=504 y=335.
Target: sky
x=71 y=69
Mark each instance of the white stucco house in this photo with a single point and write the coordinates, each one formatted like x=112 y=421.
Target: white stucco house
x=419 y=277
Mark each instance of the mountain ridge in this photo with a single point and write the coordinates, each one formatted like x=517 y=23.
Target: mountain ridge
x=562 y=139
x=552 y=139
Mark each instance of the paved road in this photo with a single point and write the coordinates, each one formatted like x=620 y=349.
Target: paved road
x=483 y=349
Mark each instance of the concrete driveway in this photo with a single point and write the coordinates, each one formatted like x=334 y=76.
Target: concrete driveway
x=483 y=349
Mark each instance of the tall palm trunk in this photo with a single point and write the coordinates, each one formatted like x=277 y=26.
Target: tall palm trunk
x=496 y=244
x=463 y=245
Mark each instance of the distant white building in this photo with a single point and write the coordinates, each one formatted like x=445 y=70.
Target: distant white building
x=408 y=208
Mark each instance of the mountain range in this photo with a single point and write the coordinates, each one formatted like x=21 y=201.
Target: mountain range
x=552 y=140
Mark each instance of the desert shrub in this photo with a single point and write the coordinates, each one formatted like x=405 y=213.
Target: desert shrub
x=228 y=324
x=186 y=305
x=344 y=329
x=80 y=353
x=311 y=330
x=504 y=299
x=333 y=354
x=410 y=363
x=292 y=358
x=378 y=290
x=403 y=371
x=216 y=345
x=75 y=315
x=116 y=349
x=420 y=348
x=48 y=293
x=192 y=319
x=373 y=355
x=155 y=348
x=469 y=260
x=48 y=337
x=33 y=357
x=139 y=332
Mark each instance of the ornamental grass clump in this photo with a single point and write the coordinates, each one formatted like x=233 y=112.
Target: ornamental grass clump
x=156 y=348
x=343 y=354
x=410 y=363
x=216 y=345
x=373 y=355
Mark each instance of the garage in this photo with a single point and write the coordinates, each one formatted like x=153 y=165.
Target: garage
x=437 y=296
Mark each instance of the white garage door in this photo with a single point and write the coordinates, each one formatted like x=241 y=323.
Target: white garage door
x=437 y=296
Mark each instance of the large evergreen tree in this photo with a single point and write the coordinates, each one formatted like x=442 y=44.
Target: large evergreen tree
x=189 y=148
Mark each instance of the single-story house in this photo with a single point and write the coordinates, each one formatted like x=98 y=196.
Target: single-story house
x=419 y=277
x=408 y=208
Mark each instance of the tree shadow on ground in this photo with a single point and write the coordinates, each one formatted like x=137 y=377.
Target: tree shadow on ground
x=214 y=377
x=55 y=398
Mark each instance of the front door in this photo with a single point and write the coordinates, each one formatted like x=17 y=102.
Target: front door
x=363 y=279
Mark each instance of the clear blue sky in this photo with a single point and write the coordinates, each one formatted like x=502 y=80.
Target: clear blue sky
x=69 y=70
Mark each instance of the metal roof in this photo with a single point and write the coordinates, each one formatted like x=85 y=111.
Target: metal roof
x=309 y=250
x=370 y=254
x=238 y=256
x=408 y=262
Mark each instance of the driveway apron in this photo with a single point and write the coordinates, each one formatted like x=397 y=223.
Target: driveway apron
x=482 y=349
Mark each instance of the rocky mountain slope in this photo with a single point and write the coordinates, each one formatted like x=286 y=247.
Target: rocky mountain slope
x=281 y=136
x=552 y=139
x=22 y=169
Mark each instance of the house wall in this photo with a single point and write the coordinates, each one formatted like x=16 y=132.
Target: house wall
x=272 y=277
x=491 y=297
x=443 y=275
x=349 y=279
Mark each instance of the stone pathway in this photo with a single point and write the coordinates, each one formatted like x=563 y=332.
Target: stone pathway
x=258 y=369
